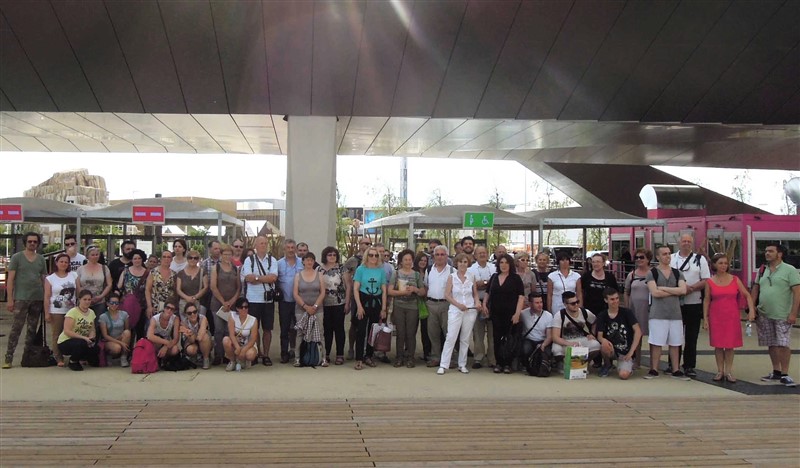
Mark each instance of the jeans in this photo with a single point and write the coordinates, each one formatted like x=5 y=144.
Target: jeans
x=426 y=340
x=79 y=350
x=459 y=327
x=287 y=319
x=333 y=325
x=405 y=317
x=692 y=318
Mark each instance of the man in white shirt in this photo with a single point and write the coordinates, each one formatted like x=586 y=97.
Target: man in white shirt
x=540 y=334
x=695 y=271
x=260 y=291
x=482 y=331
x=435 y=283
x=76 y=259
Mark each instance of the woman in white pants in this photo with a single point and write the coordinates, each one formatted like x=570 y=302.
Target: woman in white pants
x=462 y=294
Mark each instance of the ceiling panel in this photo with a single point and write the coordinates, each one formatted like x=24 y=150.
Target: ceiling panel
x=676 y=41
x=632 y=34
x=142 y=38
x=89 y=145
x=88 y=128
x=491 y=154
x=789 y=112
x=242 y=54
x=19 y=80
x=119 y=146
x=772 y=93
x=462 y=135
x=431 y=36
x=225 y=132
x=51 y=126
x=483 y=32
x=6 y=145
x=337 y=34
x=190 y=131
x=430 y=133
x=114 y=127
x=37 y=28
x=57 y=144
x=361 y=132
x=249 y=120
x=5 y=104
x=151 y=126
x=560 y=137
x=608 y=153
x=580 y=37
x=737 y=27
x=492 y=138
x=25 y=143
x=533 y=32
x=341 y=129
x=195 y=53
x=99 y=54
x=380 y=55
x=262 y=139
x=764 y=53
x=288 y=36
x=281 y=127
x=394 y=134
x=18 y=122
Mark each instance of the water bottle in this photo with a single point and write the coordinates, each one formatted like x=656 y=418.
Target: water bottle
x=748 y=329
x=238 y=366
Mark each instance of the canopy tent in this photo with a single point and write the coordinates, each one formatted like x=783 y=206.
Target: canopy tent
x=44 y=211
x=576 y=217
x=176 y=212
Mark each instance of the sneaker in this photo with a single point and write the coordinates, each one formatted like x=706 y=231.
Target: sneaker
x=230 y=366
x=771 y=378
x=652 y=374
x=668 y=370
x=76 y=366
x=206 y=363
x=786 y=380
x=604 y=371
x=284 y=358
x=440 y=371
x=7 y=364
x=463 y=370
x=679 y=375
x=296 y=363
x=690 y=372
x=123 y=361
x=477 y=365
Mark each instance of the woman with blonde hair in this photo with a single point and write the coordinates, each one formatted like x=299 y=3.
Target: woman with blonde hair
x=369 y=290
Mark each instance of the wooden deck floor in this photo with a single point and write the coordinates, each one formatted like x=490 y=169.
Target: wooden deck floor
x=604 y=432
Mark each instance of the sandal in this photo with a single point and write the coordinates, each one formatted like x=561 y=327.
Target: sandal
x=398 y=363
x=60 y=363
x=339 y=360
x=358 y=365
x=369 y=362
x=718 y=377
x=325 y=363
x=730 y=379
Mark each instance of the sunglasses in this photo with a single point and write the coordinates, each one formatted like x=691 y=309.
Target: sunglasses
x=640 y=257
x=113 y=302
x=365 y=243
x=572 y=303
x=191 y=312
x=523 y=260
x=192 y=257
x=238 y=246
x=169 y=307
x=70 y=244
x=373 y=255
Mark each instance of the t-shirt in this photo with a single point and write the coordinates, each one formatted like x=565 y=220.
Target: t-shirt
x=116 y=267
x=62 y=292
x=568 y=329
x=335 y=290
x=255 y=292
x=539 y=333
x=370 y=279
x=562 y=283
x=696 y=269
x=593 y=290
x=482 y=274
x=28 y=284
x=774 y=291
x=82 y=325
x=618 y=330
x=665 y=308
x=115 y=326
x=76 y=262
x=286 y=275
x=400 y=280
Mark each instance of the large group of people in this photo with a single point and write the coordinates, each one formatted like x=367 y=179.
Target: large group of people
x=220 y=311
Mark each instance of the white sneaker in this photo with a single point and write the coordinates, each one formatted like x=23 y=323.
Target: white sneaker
x=206 y=363
x=440 y=371
x=230 y=366
x=123 y=361
x=463 y=370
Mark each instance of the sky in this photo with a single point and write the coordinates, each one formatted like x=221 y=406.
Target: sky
x=460 y=181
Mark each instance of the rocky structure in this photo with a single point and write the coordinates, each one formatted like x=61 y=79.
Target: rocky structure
x=76 y=186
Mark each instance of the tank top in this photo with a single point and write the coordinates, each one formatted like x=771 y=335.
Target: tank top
x=308 y=290
x=242 y=330
x=93 y=281
x=226 y=284
x=165 y=333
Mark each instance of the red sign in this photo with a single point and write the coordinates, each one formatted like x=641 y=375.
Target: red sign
x=148 y=214
x=11 y=213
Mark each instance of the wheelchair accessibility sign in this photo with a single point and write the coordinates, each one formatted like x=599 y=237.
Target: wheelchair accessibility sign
x=478 y=220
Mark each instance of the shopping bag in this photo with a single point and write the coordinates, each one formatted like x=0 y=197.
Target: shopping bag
x=381 y=337
x=576 y=362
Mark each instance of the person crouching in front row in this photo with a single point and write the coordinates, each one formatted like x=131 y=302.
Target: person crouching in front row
x=79 y=336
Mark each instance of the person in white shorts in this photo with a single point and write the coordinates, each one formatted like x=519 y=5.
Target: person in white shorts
x=666 y=285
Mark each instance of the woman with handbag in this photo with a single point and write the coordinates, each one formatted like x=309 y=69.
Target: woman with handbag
x=309 y=293
x=191 y=283
x=503 y=303
x=78 y=338
x=241 y=343
x=225 y=288
x=160 y=286
x=132 y=286
x=406 y=287
x=59 y=298
x=370 y=284
x=461 y=292
x=337 y=294
x=95 y=277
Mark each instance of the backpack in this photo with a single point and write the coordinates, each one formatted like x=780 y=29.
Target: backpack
x=538 y=363
x=675 y=273
x=310 y=354
x=144 y=359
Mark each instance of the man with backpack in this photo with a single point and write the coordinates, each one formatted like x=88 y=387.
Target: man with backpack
x=571 y=326
x=695 y=271
x=666 y=285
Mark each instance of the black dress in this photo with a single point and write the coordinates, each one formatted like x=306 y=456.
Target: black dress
x=502 y=306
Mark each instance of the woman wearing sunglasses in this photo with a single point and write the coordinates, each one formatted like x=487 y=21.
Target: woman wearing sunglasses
x=240 y=344
x=637 y=296
x=522 y=261
x=194 y=333
x=191 y=283
x=370 y=284
x=115 y=330
x=164 y=332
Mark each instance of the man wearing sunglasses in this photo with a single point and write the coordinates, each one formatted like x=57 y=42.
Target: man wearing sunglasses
x=777 y=293
x=25 y=283
x=695 y=270
x=76 y=259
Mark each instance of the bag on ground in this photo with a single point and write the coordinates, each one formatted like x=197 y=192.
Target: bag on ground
x=310 y=353
x=380 y=337
x=538 y=363
x=144 y=360
x=576 y=362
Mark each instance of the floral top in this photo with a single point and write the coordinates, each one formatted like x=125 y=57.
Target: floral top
x=334 y=285
x=162 y=290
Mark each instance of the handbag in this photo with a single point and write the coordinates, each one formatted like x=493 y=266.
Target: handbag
x=38 y=354
x=222 y=314
x=422 y=306
x=380 y=337
x=310 y=353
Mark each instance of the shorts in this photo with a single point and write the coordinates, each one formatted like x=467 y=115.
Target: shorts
x=666 y=332
x=773 y=332
x=593 y=345
x=264 y=313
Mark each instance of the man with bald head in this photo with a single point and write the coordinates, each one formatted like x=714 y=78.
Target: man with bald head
x=260 y=272
x=695 y=270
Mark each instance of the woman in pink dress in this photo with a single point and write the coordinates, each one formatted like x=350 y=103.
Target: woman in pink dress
x=721 y=315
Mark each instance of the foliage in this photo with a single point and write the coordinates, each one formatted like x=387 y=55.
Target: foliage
x=52 y=247
x=596 y=238
x=392 y=204
x=549 y=202
x=346 y=235
x=740 y=189
x=436 y=199
x=496 y=236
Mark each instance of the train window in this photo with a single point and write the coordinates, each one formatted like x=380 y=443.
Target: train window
x=793 y=257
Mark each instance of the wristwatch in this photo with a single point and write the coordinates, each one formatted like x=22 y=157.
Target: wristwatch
x=256 y=278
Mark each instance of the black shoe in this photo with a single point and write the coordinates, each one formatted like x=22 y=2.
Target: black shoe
x=385 y=359
x=264 y=360
x=690 y=372
x=284 y=358
x=75 y=365
x=477 y=365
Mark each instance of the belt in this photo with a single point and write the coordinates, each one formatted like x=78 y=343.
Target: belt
x=437 y=300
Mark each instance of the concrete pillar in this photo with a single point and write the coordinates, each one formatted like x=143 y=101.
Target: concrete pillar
x=311 y=182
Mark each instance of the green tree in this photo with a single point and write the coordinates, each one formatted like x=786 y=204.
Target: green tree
x=346 y=237
x=436 y=199
x=392 y=204
x=740 y=189
x=496 y=236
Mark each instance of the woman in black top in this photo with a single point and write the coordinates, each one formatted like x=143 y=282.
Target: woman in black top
x=503 y=301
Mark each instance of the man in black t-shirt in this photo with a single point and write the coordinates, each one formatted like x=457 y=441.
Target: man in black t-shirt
x=118 y=265
x=619 y=335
